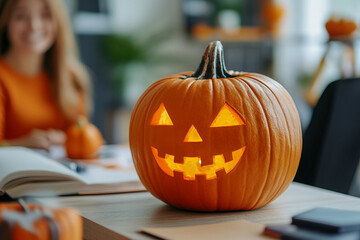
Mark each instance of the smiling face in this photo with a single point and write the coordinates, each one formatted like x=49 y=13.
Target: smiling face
x=193 y=162
x=31 y=27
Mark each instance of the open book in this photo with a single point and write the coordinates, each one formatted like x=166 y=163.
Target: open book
x=24 y=172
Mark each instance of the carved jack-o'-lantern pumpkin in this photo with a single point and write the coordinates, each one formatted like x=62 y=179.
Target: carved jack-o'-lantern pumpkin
x=215 y=140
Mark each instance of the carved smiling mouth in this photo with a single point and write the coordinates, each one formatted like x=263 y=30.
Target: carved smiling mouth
x=192 y=165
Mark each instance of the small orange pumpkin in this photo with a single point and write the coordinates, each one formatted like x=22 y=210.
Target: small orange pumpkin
x=215 y=140
x=272 y=13
x=42 y=223
x=83 y=139
x=340 y=27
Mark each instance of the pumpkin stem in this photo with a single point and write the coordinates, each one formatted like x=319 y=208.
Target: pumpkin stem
x=212 y=63
x=81 y=121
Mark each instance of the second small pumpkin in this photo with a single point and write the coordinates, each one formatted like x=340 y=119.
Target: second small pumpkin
x=83 y=139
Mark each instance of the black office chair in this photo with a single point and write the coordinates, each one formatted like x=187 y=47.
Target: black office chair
x=331 y=144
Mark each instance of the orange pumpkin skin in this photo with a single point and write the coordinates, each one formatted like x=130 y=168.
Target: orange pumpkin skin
x=340 y=27
x=272 y=13
x=270 y=134
x=83 y=140
x=63 y=224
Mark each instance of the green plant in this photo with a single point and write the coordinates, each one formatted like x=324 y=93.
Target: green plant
x=122 y=49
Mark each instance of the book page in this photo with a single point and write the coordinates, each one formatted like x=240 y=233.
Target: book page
x=19 y=165
x=114 y=165
x=26 y=172
x=238 y=229
x=101 y=175
x=71 y=188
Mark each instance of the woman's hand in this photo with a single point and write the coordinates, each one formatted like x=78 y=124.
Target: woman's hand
x=42 y=139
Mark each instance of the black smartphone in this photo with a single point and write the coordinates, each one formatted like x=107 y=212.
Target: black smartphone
x=293 y=232
x=329 y=220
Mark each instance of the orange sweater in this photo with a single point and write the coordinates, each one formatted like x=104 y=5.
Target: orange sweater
x=26 y=103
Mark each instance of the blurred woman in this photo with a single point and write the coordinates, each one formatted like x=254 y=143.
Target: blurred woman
x=43 y=85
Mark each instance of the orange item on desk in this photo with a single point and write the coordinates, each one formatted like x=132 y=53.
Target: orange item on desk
x=83 y=140
x=26 y=103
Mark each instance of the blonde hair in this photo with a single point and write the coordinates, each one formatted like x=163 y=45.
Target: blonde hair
x=68 y=77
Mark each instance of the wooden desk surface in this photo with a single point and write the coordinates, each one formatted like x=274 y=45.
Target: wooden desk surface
x=120 y=216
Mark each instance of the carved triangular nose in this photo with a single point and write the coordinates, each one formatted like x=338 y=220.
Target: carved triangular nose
x=192 y=135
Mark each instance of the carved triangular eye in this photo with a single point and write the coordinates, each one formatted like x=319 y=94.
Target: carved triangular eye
x=161 y=117
x=227 y=117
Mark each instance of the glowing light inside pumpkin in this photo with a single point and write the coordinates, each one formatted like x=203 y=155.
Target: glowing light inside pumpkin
x=192 y=165
x=227 y=117
x=161 y=117
x=193 y=135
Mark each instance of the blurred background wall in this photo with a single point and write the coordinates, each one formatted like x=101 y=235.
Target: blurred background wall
x=129 y=44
